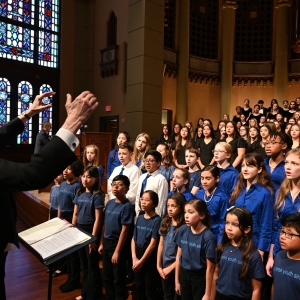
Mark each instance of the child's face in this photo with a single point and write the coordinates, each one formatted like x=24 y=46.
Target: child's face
x=176 y=129
x=292 y=167
x=223 y=131
x=232 y=229
x=151 y=164
x=162 y=150
x=119 y=189
x=190 y=158
x=222 y=124
x=88 y=181
x=256 y=109
x=295 y=132
x=206 y=131
x=220 y=153
x=250 y=172
x=165 y=130
x=141 y=143
x=243 y=131
x=274 y=146
x=289 y=239
x=178 y=180
x=90 y=154
x=68 y=174
x=252 y=122
x=229 y=129
x=264 y=132
x=124 y=156
x=191 y=216
x=184 y=133
x=253 y=133
x=147 y=203
x=262 y=119
x=59 y=179
x=173 y=209
x=200 y=131
x=208 y=181
x=121 y=138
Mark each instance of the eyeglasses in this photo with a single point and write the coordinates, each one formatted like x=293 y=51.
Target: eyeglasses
x=149 y=161
x=117 y=185
x=288 y=234
x=272 y=143
x=218 y=151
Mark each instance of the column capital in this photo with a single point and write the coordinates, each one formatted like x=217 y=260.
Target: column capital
x=229 y=4
x=279 y=3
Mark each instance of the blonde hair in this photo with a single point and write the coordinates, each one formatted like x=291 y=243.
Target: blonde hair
x=227 y=148
x=136 y=153
x=96 y=161
x=286 y=186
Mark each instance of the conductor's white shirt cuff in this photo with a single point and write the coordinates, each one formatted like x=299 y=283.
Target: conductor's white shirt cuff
x=68 y=137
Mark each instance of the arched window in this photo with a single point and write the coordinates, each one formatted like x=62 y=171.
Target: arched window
x=46 y=115
x=29 y=31
x=4 y=101
x=24 y=99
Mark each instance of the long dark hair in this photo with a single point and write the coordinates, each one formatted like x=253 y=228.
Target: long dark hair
x=263 y=178
x=188 y=141
x=247 y=246
x=201 y=207
x=167 y=220
x=93 y=172
x=117 y=146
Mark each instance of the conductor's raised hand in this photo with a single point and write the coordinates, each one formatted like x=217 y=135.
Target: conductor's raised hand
x=37 y=105
x=79 y=110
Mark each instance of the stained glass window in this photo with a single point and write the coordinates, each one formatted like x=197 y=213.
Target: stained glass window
x=4 y=101
x=24 y=100
x=32 y=34
x=46 y=115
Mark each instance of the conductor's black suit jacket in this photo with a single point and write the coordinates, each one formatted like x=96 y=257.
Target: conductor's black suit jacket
x=41 y=170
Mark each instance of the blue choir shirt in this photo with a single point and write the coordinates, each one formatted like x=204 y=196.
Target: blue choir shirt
x=217 y=205
x=101 y=173
x=286 y=275
x=87 y=203
x=228 y=282
x=54 y=197
x=117 y=214
x=259 y=201
x=168 y=174
x=112 y=164
x=196 y=248
x=194 y=180
x=228 y=179
x=278 y=174
x=170 y=246
x=187 y=194
x=67 y=195
x=289 y=207
x=145 y=230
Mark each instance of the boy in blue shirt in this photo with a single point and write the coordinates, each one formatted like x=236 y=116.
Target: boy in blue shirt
x=115 y=240
x=286 y=269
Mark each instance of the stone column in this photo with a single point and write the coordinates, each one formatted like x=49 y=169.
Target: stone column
x=281 y=49
x=145 y=67
x=228 y=30
x=183 y=61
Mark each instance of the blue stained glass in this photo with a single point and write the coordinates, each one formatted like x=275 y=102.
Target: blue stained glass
x=46 y=115
x=3 y=8
x=4 y=101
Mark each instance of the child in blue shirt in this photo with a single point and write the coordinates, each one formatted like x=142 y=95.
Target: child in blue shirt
x=54 y=196
x=68 y=190
x=195 y=257
x=239 y=269
x=286 y=269
x=180 y=182
x=254 y=192
x=115 y=240
x=216 y=200
x=88 y=209
x=192 y=156
x=228 y=174
x=167 y=248
x=113 y=158
x=144 y=246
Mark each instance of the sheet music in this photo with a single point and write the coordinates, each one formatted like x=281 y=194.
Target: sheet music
x=59 y=242
x=44 y=230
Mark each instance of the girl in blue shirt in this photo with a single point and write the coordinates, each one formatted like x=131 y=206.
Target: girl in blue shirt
x=216 y=200
x=287 y=200
x=167 y=248
x=113 y=158
x=254 y=192
x=144 y=248
x=180 y=182
x=88 y=209
x=239 y=269
x=195 y=257
x=91 y=157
